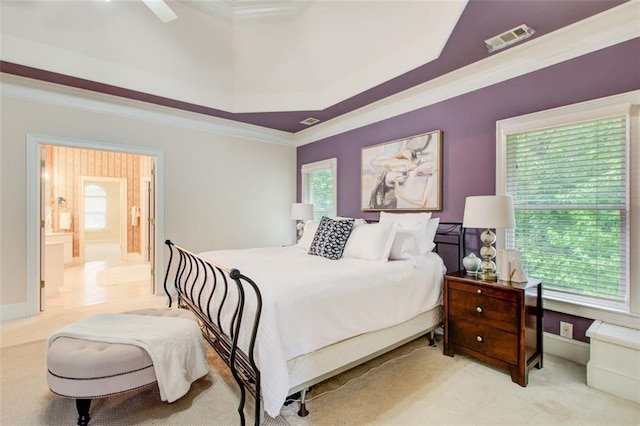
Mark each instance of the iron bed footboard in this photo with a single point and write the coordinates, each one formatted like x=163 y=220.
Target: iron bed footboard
x=203 y=287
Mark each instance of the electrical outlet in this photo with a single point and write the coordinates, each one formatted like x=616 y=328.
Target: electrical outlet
x=566 y=329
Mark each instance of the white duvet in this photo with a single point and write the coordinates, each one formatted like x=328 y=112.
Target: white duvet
x=310 y=302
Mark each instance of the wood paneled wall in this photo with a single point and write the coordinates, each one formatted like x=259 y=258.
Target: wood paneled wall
x=67 y=165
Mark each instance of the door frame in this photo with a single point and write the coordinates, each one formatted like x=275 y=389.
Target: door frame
x=34 y=142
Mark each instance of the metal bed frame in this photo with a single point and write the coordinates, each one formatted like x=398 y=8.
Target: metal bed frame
x=192 y=272
x=203 y=287
x=453 y=234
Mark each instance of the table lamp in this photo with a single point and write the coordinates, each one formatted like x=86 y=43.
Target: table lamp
x=488 y=211
x=301 y=212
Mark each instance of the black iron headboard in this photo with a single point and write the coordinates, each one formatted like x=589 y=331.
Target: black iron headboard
x=451 y=234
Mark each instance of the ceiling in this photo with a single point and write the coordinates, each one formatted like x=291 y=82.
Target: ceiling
x=270 y=63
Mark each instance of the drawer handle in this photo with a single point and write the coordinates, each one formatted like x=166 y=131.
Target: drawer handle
x=479 y=291
x=479 y=338
x=478 y=309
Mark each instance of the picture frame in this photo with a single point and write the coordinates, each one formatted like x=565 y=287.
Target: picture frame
x=403 y=174
x=509 y=266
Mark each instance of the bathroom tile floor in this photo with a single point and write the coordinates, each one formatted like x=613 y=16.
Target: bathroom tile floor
x=99 y=286
x=99 y=282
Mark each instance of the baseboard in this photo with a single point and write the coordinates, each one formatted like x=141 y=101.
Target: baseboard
x=13 y=311
x=573 y=350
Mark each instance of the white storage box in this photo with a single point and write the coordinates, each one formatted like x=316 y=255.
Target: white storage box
x=614 y=364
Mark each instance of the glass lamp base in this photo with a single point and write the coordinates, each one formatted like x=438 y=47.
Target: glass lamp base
x=488 y=252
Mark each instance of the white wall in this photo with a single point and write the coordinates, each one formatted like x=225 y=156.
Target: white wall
x=219 y=191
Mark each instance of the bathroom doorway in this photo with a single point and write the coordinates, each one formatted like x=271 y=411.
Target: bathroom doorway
x=93 y=216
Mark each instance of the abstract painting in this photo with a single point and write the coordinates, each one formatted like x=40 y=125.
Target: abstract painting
x=404 y=174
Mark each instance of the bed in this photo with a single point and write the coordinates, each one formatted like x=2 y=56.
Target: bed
x=283 y=320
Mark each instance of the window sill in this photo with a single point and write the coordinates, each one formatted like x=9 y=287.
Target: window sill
x=610 y=316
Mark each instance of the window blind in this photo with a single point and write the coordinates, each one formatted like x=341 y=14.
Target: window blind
x=569 y=187
x=95 y=208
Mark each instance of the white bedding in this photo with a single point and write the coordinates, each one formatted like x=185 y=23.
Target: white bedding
x=310 y=302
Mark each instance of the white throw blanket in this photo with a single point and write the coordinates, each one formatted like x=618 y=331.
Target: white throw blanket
x=174 y=344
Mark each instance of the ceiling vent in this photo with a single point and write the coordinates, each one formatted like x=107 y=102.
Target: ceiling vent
x=507 y=38
x=310 y=121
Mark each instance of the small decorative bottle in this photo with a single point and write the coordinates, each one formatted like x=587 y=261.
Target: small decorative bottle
x=471 y=264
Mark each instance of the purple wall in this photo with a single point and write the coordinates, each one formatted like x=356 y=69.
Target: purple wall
x=469 y=125
x=580 y=325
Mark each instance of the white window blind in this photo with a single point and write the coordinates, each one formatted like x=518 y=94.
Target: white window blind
x=319 y=187
x=569 y=184
x=95 y=208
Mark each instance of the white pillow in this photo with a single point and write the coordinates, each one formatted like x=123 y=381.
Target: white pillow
x=417 y=222
x=432 y=228
x=370 y=241
x=310 y=229
x=418 y=231
x=404 y=217
x=405 y=245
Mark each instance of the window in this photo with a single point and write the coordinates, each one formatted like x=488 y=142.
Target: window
x=319 y=187
x=568 y=172
x=95 y=208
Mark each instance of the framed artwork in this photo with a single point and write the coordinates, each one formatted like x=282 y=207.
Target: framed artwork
x=405 y=174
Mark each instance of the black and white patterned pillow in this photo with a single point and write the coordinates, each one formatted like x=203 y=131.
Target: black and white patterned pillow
x=331 y=237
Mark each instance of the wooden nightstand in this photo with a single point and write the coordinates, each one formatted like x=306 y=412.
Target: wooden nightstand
x=496 y=322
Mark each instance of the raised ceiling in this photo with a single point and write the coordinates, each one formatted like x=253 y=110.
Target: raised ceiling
x=291 y=61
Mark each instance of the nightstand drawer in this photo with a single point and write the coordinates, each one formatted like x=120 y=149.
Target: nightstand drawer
x=484 y=289
x=499 y=313
x=486 y=340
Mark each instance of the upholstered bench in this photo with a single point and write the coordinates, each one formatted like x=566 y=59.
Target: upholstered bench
x=88 y=369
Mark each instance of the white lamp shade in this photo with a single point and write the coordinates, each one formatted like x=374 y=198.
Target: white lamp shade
x=301 y=211
x=489 y=211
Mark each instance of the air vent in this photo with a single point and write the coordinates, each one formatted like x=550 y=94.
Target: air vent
x=507 y=38
x=310 y=121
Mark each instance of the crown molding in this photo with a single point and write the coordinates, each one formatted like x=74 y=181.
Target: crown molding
x=53 y=94
x=606 y=29
x=230 y=10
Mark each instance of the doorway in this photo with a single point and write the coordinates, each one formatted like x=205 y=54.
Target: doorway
x=108 y=260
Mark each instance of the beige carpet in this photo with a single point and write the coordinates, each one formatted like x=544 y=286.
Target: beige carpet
x=418 y=386
x=425 y=387
x=26 y=400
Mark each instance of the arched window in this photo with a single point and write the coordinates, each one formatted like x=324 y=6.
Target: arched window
x=95 y=208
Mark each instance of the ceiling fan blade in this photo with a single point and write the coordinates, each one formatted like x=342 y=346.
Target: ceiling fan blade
x=161 y=9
